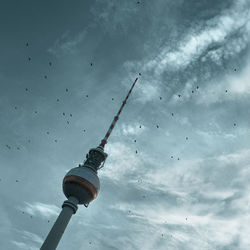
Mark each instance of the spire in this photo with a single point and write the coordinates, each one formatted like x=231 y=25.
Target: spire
x=104 y=140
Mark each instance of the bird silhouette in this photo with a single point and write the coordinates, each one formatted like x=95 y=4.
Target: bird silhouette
x=234 y=69
x=15 y=107
x=172 y=157
x=91 y=64
x=57 y=100
x=68 y=122
x=27 y=44
x=26 y=89
x=87 y=96
x=192 y=91
x=186 y=138
x=63 y=113
x=178 y=159
x=234 y=124
x=45 y=77
x=50 y=63
x=84 y=130
x=226 y=90
x=197 y=87
x=179 y=95
x=134 y=140
x=55 y=140
x=172 y=114
x=35 y=112
x=157 y=126
x=47 y=132
x=160 y=97
x=112 y=99
x=29 y=58
x=18 y=148
x=48 y=221
x=70 y=115
x=140 y=126
x=9 y=147
x=16 y=180
x=136 y=151
x=67 y=90
x=139 y=74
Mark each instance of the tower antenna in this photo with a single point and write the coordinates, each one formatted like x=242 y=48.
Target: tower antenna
x=104 y=140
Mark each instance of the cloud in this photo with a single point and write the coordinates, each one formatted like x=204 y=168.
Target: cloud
x=66 y=45
x=41 y=209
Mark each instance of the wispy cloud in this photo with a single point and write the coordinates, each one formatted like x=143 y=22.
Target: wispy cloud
x=41 y=209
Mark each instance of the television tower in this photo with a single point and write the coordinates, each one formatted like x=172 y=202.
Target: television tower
x=81 y=185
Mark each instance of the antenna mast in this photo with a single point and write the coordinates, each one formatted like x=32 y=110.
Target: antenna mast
x=104 y=140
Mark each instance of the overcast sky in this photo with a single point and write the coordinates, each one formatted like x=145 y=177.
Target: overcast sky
x=187 y=187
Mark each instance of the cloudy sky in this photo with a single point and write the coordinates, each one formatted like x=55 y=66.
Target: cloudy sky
x=187 y=187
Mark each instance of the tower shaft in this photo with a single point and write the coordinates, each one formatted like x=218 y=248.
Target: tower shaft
x=69 y=207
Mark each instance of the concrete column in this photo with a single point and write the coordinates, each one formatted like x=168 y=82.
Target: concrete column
x=69 y=207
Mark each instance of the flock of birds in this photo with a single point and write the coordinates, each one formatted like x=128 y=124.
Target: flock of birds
x=64 y=114
x=71 y=115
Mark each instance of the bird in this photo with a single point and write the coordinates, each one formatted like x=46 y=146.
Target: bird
x=134 y=140
x=129 y=211
x=112 y=99
x=67 y=90
x=15 y=107
x=186 y=138
x=140 y=126
x=45 y=77
x=91 y=64
x=179 y=95
x=160 y=97
x=138 y=2
x=90 y=242
x=234 y=69
x=172 y=157
x=71 y=115
x=55 y=140
x=157 y=126
x=26 y=89
x=57 y=100
x=136 y=151
x=35 y=112
x=161 y=235
x=139 y=74
x=226 y=90
x=50 y=63
x=197 y=87
x=27 y=44
x=234 y=124
x=84 y=130
x=63 y=113
x=172 y=114
x=48 y=221
x=192 y=91
x=178 y=159
x=47 y=132
x=23 y=212
x=18 y=148
x=68 y=122
x=9 y=147
x=87 y=96
x=186 y=218
x=31 y=216
x=29 y=58
x=16 y=180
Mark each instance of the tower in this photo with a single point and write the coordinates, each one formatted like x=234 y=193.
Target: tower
x=81 y=185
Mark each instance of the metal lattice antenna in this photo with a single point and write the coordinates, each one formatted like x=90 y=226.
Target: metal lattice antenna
x=104 y=140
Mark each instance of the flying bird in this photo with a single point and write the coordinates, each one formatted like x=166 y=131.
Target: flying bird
x=68 y=122
x=55 y=140
x=50 y=63
x=9 y=147
x=45 y=77
x=15 y=107
x=27 y=44
x=172 y=157
x=67 y=90
x=179 y=95
x=186 y=138
x=91 y=64
x=140 y=126
x=57 y=100
x=157 y=126
x=134 y=140
x=172 y=114
x=29 y=58
x=71 y=115
x=84 y=130
x=139 y=74
x=26 y=89
x=160 y=97
x=47 y=132
x=192 y=91
x=87 y=96
x=226 y=90
x=63 y=113
x=197 y=87
x=234 y=124
x=136 y=151
x=112 y=99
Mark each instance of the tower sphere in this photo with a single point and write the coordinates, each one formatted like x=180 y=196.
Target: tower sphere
x=82 y=183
